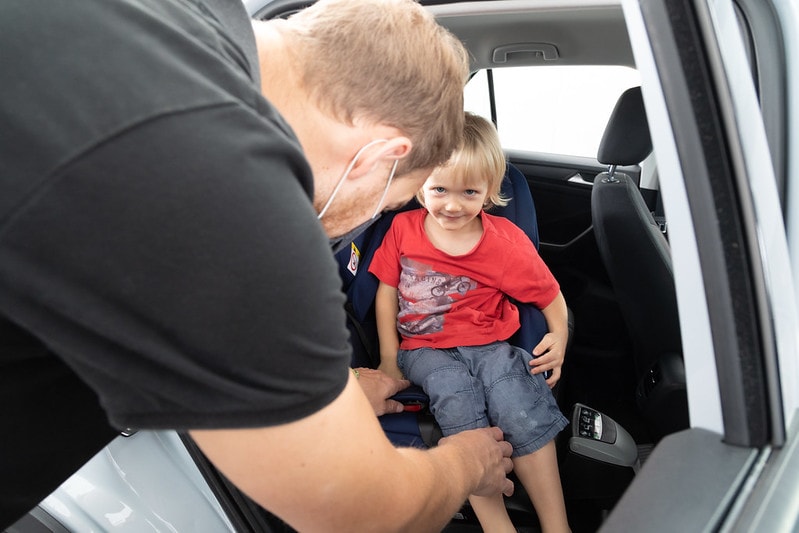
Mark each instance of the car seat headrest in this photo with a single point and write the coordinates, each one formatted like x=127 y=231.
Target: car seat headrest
x=626 y=140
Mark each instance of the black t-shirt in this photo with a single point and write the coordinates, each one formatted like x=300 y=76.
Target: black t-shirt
x=157 y=239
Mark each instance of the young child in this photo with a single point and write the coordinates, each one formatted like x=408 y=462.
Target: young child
x=446 y=274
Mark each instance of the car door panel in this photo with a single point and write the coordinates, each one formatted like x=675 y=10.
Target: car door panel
x=561 y=187
x=563 y=206
x=660 y=499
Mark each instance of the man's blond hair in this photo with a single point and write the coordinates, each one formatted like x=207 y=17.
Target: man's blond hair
x=386 y=62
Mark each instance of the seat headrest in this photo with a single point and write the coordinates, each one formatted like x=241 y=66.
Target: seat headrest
x=626 y=140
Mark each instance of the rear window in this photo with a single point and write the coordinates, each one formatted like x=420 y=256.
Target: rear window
x=560 y=110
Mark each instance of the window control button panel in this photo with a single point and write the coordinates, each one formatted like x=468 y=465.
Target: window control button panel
x=590 y=424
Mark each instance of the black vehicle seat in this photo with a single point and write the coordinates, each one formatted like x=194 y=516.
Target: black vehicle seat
x=637 y=257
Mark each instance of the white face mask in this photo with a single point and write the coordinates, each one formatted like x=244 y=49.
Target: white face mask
x=347 y=173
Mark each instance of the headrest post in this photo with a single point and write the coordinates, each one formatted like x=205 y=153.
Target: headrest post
x=611 y=174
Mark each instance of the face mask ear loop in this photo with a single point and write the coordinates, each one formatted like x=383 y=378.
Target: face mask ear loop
x=347 y=173
x=385 y=191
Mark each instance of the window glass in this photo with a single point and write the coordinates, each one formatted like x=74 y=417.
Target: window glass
x=560 y=110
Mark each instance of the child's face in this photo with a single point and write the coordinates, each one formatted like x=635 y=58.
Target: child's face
x=453 y=202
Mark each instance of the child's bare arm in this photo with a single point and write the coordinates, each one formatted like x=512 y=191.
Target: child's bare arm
x=550 y=352
x=386 y=310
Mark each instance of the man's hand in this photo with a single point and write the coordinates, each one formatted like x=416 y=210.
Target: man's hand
x=379 y=387
x=488 y=448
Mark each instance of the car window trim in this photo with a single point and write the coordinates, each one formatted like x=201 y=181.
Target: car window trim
x=695 y=102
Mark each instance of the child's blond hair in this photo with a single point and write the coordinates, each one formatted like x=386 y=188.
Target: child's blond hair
x=342 y=44
x=479 y=158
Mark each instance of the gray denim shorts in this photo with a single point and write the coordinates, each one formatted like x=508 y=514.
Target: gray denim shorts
x=477 y=386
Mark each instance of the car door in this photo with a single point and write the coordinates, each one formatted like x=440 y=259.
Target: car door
x=717 y=82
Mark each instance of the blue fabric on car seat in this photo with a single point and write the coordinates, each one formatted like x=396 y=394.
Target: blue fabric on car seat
x=521 y=208
x=360 y=287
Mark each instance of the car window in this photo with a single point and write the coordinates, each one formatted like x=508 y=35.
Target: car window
x=559 y=110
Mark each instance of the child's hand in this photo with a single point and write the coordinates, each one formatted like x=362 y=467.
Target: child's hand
x=391 y=369
x=549 y=355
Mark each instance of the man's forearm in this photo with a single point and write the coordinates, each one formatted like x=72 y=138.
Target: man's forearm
x=443 y=477
x=336 y=471
x=442 y=480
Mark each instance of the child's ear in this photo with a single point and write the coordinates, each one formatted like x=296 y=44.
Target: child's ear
x=389 y=151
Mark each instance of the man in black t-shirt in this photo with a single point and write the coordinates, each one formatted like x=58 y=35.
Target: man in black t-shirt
x=162 y=261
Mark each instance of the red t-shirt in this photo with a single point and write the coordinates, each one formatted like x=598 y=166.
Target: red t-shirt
x=447 y=301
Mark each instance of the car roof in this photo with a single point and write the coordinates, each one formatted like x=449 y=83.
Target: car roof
x=581 y=32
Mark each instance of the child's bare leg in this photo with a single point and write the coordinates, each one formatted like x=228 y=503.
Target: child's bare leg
x=538 y=472
x=491 y=512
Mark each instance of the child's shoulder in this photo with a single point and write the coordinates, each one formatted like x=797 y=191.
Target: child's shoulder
x=502 y=227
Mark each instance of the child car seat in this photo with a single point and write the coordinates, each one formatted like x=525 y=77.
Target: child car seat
x=417 y=428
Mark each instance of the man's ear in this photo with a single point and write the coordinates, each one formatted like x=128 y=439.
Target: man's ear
x=389 y=151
